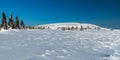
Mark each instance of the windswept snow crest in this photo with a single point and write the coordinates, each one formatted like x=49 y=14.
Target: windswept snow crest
x=70 y=25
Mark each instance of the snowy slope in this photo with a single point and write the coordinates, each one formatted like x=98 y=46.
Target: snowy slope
x=58 y=25
x=59 y=45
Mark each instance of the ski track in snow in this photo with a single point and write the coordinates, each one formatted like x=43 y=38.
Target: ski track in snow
x=59 y=45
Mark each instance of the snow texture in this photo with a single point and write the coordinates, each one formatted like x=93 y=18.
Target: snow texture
x=59 y=45
x=57 y=25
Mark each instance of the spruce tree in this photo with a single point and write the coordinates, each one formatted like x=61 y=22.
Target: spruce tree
x=16 y=24
x=4 y=23
x=10 y=23
x=72 y=28
x=76 y=28
x=81 y=28
x=22 y=25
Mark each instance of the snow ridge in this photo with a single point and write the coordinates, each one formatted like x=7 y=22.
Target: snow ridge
x=78 y=25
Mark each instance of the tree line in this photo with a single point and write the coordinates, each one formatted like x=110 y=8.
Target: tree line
x=81 y=28
x=11 y=24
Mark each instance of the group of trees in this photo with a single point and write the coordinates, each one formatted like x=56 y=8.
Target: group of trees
x=41 y=27
x=11 y=23
x=71 y=28
x=78 y=28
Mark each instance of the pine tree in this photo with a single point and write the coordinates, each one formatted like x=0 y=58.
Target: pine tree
x=4 y=23
x=10 y=23
x=76 y=28
x=68 y=28
x=16 y=23
x=22 y=25
x=72 y=28
x=81 y=28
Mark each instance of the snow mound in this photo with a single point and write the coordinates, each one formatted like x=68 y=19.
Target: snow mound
x=78 y=25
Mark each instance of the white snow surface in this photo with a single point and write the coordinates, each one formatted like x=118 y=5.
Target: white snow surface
x=72 y=24
x=59 y=45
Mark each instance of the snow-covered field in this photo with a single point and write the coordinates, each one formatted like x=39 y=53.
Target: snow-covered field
x=59 y=45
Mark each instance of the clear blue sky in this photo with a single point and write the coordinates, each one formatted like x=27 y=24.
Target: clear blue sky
x=105 y=13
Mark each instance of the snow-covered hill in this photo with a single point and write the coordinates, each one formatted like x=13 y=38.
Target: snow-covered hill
x=59 y=45
x=70 y=25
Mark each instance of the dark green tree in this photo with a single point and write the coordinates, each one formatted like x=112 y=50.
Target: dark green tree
x=22 y=25
x=72 y=28
x=81 y=28
x=16 y=23
x=4 y=23
x=10 y=23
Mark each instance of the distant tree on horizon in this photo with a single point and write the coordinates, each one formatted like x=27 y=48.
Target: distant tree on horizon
x=4 y=22
x=16 y=23
x=76 y=28
x=10 y=23
x=22 y=25
x=72 y=28
x=81 y=28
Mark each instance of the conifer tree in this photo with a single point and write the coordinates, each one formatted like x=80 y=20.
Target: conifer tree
x=76 y=28
x=16 y=24
x=10 y=23
x=22 y=25
x=4 y=23
x=72 y=28
x=81 y=28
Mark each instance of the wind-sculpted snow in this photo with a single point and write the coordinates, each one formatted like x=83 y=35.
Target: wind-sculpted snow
x=59 y=45
x=78 y=25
